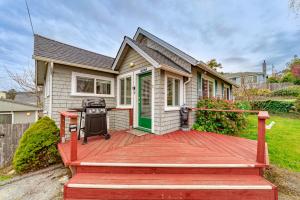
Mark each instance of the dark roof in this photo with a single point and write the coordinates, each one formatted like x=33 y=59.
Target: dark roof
x=26 y=97
x=11 y=105
x=238 y=74
x=158 y=57
x=55 y=50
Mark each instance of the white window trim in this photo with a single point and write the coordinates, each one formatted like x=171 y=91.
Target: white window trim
x=227 y=87
x=180 y=78
x=74 y=85
x=130 y=74
x=205 y=77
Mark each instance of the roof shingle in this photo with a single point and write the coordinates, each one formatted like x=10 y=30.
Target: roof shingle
x=55 y=50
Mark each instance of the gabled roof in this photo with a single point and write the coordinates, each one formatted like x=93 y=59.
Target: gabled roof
x=7 y=105
x=238 y=74
x=181 y=54
x=166 y=45
x=57 y=51
x=152 y=56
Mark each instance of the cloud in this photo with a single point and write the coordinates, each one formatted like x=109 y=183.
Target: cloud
x=239 y=34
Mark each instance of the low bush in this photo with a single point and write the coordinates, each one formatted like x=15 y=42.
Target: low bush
x=273 y=106
x=37 y=147
x=297 y=104
x=220 y=122
x=290 y=91
x=243 y=105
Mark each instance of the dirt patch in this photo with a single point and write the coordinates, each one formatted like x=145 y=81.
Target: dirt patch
x=288 y=182
x=44 y=184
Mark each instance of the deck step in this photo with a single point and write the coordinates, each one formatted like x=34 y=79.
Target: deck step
x=226 y=169
x=168 y=186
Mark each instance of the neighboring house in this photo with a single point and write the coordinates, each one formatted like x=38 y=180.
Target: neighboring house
x=26 y=97
x=13 y=112
x=249 y=78
x=2 y=95
x=148 y=75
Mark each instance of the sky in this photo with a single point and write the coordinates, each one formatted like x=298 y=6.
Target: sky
x=240 y=34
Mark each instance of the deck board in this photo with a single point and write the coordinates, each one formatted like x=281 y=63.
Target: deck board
x=178 y=147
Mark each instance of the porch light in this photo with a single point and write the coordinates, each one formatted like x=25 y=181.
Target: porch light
x=131 y=64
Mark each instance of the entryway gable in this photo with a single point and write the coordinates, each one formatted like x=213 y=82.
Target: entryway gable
x=127 y=46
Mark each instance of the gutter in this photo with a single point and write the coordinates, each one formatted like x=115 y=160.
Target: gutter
x=74 y=64
x=175 y=71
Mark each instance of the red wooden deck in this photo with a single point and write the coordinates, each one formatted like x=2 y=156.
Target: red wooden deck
x=177 y=165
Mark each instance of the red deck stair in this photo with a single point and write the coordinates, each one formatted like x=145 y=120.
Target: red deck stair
x=168 y=186
x=180 y=165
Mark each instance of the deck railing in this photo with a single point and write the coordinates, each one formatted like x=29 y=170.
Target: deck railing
x=261 y=130
x=73 y=128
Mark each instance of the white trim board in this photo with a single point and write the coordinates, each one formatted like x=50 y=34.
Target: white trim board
x=74 y=83
x=167 y=165
x=172 y=187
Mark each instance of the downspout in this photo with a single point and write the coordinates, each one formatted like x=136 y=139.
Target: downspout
x=184 y=89
x=50 y=85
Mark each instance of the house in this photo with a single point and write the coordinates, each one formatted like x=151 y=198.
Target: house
x=249 y=79
x=148 y=75
x=13 y=112
x=26 y=97
x=2 y=95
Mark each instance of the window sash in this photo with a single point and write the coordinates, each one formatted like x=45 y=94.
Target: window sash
x=91 y=85
x=208 y=88
x=5 y=118
x=173 y=92
x=125 y=90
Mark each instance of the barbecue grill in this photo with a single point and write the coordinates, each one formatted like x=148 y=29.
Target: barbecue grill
x=94 y=117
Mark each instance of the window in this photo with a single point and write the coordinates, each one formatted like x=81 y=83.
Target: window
x=5 y=118
x=207 y=88
x=90 y=85
x=173 y=92
x=125 y=90
x=226 y=93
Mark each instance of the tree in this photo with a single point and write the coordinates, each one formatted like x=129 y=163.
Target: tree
x=11 y=94
x=26 y=82
x=213 y=64
x=295 y=6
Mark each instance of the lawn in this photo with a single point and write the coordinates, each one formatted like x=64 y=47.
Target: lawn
x=283 y=140
x=4 y=177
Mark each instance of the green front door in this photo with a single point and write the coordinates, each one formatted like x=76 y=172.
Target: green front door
x=144 y=101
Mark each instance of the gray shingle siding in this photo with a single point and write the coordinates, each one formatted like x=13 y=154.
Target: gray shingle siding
x=179 y=61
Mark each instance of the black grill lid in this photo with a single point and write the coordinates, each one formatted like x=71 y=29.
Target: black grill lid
x=93 y=103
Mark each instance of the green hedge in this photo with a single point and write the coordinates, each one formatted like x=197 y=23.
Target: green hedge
x=290 y=91
x=273 y=106
x=297 y=104
x=220 y=122
x=37 y=147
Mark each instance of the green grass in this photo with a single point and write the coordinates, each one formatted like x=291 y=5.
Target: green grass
x=4 y=177
x=283 y=140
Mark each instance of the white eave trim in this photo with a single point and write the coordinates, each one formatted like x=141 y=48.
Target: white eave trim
x=175 y=71
x=127 y=41
x=74 y=64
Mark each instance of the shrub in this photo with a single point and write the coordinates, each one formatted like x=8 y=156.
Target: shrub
x=219 y=122
x=288 y=77
x=273 y=79
x=290 y=91
x=243 y=105
x=273 y=106
x=37 y=147
x=297 y=104
x=297 y=81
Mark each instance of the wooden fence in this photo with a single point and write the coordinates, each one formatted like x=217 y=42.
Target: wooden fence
x=10 y=135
